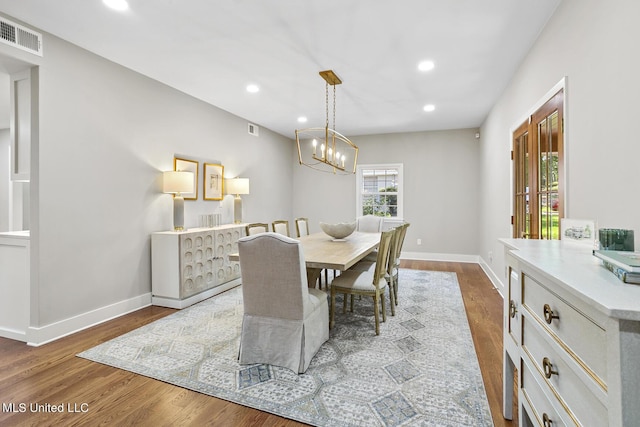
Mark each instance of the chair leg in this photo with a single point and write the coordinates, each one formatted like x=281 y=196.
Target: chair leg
x=395 y=288
x=384 y=309
x=376 y=313
x=344 y=303
x=392 y=301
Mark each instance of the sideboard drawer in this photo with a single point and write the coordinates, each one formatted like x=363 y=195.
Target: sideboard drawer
x=538 y=401
x=562 y=377
x=577 y=334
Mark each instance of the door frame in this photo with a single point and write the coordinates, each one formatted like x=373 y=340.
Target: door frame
x=563 y=168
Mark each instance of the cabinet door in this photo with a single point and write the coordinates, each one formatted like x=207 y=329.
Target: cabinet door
x=226 y=243
x=196 y=261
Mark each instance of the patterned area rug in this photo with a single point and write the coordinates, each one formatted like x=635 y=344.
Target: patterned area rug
x=421 y=370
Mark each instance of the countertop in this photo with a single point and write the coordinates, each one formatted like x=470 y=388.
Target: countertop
x=573 y=266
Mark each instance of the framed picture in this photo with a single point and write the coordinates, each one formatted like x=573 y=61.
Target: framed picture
x=578 y=230
x=189 y=166
x=213 y=181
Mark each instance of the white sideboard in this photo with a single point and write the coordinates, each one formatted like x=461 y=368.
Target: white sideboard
x=572 y=330
x=192 y=265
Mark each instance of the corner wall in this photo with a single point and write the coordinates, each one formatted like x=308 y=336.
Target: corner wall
x=593 y=44
x=106 y=133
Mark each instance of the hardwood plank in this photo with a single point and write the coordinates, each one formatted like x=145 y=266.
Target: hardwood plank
x=53 y=374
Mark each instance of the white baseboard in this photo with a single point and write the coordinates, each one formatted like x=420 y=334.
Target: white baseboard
x=44 y=334
x=425 y=256
x=497 y=283
x=13 y=334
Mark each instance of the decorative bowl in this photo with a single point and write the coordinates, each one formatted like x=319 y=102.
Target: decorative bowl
x=338 y=231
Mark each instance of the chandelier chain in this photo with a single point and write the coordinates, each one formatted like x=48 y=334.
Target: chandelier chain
x=334 y=107
x=326 y=102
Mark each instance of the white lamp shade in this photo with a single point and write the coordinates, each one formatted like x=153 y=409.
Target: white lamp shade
x=177 y=182
x=237 y=186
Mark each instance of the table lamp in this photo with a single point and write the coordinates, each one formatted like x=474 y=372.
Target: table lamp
x=237 y=186
x=176 y=183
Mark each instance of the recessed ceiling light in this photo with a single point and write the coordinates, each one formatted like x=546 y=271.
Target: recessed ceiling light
x=302 y=119
x=120 y=5
x=429 y=107
x=426 y=66
x=253 y=88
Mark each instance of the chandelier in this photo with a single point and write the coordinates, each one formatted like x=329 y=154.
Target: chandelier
x=325 y=149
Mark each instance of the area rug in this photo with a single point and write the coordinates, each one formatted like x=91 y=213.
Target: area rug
x=421 y=370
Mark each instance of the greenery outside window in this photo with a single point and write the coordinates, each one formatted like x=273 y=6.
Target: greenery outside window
x=379 y=190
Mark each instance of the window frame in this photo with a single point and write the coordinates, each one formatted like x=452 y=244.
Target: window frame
x=400 y=193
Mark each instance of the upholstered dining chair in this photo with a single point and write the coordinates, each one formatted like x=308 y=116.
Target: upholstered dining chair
x=371 y=283
x=394 y=262
x=302 y=226
x=281 y=226
x=285 y=322
x=256 y=228
x=392 y=272
x=369 y=224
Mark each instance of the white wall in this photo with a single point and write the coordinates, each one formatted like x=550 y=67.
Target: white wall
x=594 y=44
x=5 y=176
x=106 y=133
x=441 y=172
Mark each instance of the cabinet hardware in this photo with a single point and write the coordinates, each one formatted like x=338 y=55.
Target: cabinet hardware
x=512 y=309
x=548 y=368
x=549 y=315
x=546 y=421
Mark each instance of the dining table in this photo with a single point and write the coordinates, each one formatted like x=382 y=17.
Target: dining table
x=323 y=252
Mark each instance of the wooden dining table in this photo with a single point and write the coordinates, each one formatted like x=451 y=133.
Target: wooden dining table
x=321 y=252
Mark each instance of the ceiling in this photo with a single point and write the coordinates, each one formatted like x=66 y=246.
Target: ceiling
x=213 y=49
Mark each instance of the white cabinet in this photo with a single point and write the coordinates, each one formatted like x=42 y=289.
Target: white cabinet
x=14 y=285
x=192 y=265
x=572 y=330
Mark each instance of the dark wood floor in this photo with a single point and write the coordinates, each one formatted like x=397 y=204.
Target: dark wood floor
x=52 y=374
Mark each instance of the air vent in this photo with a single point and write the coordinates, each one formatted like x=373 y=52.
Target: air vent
x=253 y=129
x=20 y=37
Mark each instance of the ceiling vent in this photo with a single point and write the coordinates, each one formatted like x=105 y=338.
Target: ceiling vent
x=253 y=129
x=20 y=37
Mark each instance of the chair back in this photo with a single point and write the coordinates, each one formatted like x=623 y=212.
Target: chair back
x=281 y=227
x=369 y=224
x=274 y=276
x=394 y=248
x=403 y=233
x=302 y=226
x=257 y=228
x=382 y=262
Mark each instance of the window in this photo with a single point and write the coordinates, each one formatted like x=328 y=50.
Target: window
x=538 y=155
x=379 y=190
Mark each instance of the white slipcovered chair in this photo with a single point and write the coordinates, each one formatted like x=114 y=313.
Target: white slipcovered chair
x=369 y=224
x=285 y=322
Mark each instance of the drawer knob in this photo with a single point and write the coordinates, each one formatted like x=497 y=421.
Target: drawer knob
x=549 y=315
x=548 y=368
x=512 y=309
x=546 y=421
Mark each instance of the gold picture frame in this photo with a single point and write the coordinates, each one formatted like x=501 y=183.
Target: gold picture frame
x=180 y=164
x=213 y=181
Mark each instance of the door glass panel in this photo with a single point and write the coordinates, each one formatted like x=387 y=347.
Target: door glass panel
x=548 y=177
x=522 y=224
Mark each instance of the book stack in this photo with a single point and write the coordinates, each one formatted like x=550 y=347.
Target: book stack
x=625 y=265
